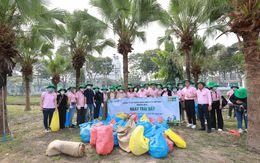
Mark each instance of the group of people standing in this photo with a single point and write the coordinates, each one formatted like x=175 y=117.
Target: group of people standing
x=88 y=101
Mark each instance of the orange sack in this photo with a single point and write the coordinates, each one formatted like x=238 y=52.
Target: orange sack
x=93 y=133
x=105 y=140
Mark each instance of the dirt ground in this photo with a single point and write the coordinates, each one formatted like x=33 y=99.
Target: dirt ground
x=30 y=142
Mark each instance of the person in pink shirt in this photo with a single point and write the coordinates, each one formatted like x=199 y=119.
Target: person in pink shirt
x=165 y=91
x=159 y=90
x=181 y=99
x=216 y=106
x=142 y=93
x=190 y=93
x=48 y=105
x=112 y=94
x=204 y=105
x=80 y=98
x=72 y=98
x=105 y=100
x=131 y=93
x=153 y=92
x=121 y=94
x=231 y=107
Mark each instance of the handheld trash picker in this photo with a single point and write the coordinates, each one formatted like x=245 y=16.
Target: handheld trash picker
x=5 y=138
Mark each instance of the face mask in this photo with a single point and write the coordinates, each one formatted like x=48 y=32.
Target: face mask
x=82 y=89
x=89 y=87
x=180 y=86
x=215 y=88
x=96 y=90
x=62 y=92
x=121 y=91
x=165 y=89
x=169 y=86
x=135 y=89
x=112 y=90
x=234 y=89
x=105 y=91
x=51 y=89
x=174 y=90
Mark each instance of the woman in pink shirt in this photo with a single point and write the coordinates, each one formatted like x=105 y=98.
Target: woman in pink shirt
x=112 y=94
x=104 y=106
x=80 y=98
x=180 y=94
x=72 y=98
x=159 y=90
x=121 y=94
x=165 y=91
x=48 y=105
x=153 y=92
x=216 y=106
x=131 y=93
x=142 y=93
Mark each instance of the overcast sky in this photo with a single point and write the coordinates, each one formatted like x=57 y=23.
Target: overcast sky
x=152 y=32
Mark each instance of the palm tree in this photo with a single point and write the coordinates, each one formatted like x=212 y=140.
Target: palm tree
x=13 y=14
x=128 y=18
x=56 y=66
x=242 y=17
x=83 y=34
x=183 y=20
x=198 y=56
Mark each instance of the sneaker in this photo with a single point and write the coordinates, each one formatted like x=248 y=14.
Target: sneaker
x=245 y=130
x=220 y=130
x=202 y=129
x=72 y=127
x=46 y=130
x=205 y=122
x=208 y=131
x=193 y=126
x=240 y=130
x=189 y=125
x=213 y=129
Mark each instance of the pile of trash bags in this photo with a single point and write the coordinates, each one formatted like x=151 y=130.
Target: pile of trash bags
x=132 y=133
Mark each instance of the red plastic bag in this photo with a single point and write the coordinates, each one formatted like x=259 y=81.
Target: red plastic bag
x=105 y=140
x=169 y=142
x=93 y=133
x=151 y=120
x=160 y=119
x=134 y=115
x=112 y=122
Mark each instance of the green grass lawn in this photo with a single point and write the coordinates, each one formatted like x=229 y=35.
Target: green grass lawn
x=30 y=142
x=20 y=100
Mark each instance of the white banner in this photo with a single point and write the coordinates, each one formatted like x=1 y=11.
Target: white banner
x=166 y=107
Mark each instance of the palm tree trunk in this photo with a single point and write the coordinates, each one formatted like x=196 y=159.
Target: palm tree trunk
x=196 y=77
x=187 y=54
x=27 y=94
x=3 y=108
x=77 y=77
x=252 y=59
x=125 y=71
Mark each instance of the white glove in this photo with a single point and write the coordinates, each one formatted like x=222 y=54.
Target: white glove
x=86 y=106
x=102 y=105
x=71 y=107
x=78 y=107
x=94 y=105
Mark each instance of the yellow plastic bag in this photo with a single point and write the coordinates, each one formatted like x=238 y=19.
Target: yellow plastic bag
x=55 y=121
x=144 y=118
x=177 y=139
x=121 y=115
x=138 y=143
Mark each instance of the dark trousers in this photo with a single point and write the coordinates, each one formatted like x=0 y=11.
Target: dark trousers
x=215 y=108
x=47 y=115
x=190 y=110
x=230 y=108
x=62 y=116
x=81 y=113
x=96 y=109
x=203 y=110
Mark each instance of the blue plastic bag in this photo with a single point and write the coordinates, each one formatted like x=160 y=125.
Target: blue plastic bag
x=147 y=125
x=85 y=134
x=158 y=147
x=150 y=132
x=115 y=139
x=122 y=123
x=196 y=108
x=159 y=125
x=67 y=119
x=83 y=125
x=100 y=112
